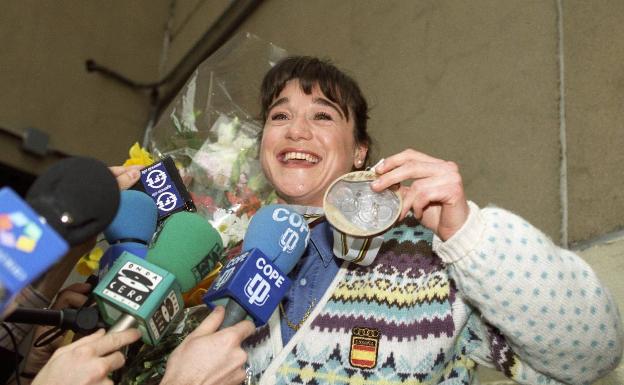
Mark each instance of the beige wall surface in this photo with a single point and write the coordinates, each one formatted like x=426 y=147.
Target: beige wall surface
x=594 y=61
x=473 y=82
x=189 y=20
x=45 y=84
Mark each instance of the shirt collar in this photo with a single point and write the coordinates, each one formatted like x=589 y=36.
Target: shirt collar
x=321 y=236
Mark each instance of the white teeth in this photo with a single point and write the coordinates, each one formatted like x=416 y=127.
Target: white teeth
x=300 y=156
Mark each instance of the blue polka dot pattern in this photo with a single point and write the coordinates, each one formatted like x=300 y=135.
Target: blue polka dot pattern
x=547 y=300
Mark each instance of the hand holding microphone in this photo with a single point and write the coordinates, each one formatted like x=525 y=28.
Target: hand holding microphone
x=210 y=357
x=126 y=175
x=87 y=361
x=73 y=296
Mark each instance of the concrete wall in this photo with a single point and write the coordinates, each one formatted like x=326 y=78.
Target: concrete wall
x=473 y=82
x=479 y=83
x=45 y=85
x=594 y=92
x=476 y=82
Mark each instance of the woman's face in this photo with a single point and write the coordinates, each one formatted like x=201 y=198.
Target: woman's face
x=307 y=143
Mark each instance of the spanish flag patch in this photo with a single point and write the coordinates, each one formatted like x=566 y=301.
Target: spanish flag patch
x=364 y=347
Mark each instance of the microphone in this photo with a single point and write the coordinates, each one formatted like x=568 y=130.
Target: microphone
x=132 y=228
x=28 y=246
x=148 y=293
x=255 y=282
x=84 y=320
x=78 y=197
x=163 y=183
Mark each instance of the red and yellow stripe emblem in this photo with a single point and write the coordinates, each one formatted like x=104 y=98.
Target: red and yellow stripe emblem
x=364 y=347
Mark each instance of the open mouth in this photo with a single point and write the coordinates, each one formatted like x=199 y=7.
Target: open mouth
x=298 y=157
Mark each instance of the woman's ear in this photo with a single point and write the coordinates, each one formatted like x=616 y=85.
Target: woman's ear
x=359 y=158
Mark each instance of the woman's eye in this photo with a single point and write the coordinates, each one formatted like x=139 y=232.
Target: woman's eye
x=322 y=116
x=279 y=116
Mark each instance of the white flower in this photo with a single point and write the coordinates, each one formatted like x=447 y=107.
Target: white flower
x=221 y=220
x=239 y=228
x=230 y=227
x=218 y=159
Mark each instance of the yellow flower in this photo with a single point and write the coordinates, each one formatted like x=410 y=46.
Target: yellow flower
x=89 y=262
x=138 y=156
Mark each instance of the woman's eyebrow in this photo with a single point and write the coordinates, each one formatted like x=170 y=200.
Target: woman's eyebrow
x=325 y=102
x=280 y=101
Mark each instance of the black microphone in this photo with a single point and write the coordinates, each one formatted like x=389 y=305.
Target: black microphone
x=77 y=196
x=83 y=320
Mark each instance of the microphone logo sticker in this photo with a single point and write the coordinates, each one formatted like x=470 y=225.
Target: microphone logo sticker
x=166 y=313
x=257 y=290
x=18 y=232
x=156 y=179
x=132 y=285
x=297 y=225
x=288 y=240
x=166 y=201
x=223 y=278
x=135 y=280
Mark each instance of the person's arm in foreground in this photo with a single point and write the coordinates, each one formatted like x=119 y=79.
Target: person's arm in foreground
x=207 y=356
x=73 y=296
x=87 y=361
x=548 y=319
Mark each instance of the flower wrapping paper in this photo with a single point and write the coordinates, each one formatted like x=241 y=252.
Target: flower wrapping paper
x=211 y=132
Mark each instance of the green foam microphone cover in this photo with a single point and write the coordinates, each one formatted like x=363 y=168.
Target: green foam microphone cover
x=186 y=246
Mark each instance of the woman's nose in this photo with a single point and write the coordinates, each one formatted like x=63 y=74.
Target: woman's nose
x=299 y=129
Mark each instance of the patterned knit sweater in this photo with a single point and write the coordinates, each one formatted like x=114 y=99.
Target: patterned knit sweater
x=498 y=293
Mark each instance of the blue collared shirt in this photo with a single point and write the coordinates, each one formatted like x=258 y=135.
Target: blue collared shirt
x=311 y=277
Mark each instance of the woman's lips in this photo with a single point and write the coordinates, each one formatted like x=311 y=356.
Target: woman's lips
x=298 y=158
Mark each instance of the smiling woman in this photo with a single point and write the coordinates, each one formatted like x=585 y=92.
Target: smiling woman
x=307 y=143
x=315 y=128
x=448 y=286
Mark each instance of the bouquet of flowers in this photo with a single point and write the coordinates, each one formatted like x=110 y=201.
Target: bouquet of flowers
x=210 y=132
x=228 y=186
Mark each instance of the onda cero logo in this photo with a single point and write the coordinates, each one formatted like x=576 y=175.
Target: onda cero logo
x=18 y=232
x=132 y=284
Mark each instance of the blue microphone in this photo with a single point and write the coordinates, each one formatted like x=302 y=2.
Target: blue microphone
x=28 y=245
x=131 y=230
x=253 y=283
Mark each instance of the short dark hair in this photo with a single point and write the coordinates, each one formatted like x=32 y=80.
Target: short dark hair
x=335 y=85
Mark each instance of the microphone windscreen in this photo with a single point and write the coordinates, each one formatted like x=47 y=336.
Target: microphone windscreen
x=135 y=220
x=280 y=233
x=186 y=246
x=77 y=196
